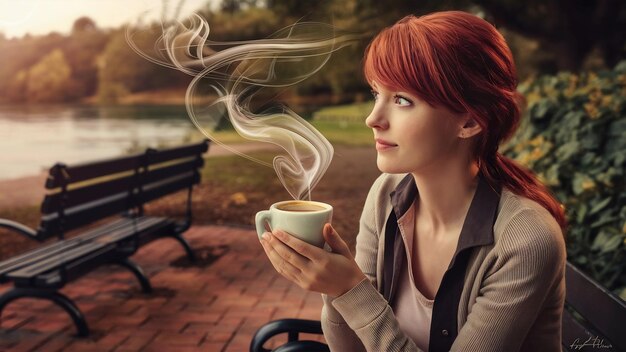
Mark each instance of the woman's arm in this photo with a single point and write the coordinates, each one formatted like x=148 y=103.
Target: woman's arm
x=361 y=319
x=338 y=335
x=531 y=262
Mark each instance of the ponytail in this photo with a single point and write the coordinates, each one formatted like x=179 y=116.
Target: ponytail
x=522 y=181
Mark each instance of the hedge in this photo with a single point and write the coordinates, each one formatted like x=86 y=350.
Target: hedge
x=573 y=135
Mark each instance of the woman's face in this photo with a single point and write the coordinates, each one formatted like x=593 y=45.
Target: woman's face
x=412 y=136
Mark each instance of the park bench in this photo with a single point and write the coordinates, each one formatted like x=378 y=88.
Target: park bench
x=600 y=325
x=102 y=203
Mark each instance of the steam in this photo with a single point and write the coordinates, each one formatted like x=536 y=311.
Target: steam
x=243 y=76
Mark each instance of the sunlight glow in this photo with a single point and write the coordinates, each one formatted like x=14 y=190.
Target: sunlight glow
x=38 y=17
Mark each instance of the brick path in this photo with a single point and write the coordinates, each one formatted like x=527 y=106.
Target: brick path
x=212 y=308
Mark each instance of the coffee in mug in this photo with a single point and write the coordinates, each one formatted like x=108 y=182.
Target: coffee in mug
x=300 y=218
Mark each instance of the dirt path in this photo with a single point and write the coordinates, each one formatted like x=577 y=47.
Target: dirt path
x=30 y=190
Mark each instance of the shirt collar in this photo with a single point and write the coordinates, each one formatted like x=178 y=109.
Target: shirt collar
x=478 y=225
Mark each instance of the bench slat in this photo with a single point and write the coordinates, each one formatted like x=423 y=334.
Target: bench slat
x=168 y=186
x=50 y=263
x=87 y=213
x=78 y=196
x=164 y=155
x=83 y=214
x=605 y=311
x=68 y=255
x=52 y=202
x=166 y=172
x=26 y=258
x=84 y=264
x=86 y=171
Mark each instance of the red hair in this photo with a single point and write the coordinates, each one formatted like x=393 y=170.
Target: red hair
x=460 y=61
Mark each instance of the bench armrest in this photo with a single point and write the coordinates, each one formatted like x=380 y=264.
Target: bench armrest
x=292 y=327
x=303 y=346
x=19 y=228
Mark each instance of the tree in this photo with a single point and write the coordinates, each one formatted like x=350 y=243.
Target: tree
x=47 y=81
x=297 y=8
x=570 y=29
x=83 y=24
x=81 y=50
x=124 y=70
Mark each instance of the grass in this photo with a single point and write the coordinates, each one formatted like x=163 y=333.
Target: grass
x=355 y=113
x=345 y=133
x=232 y=172
x=341 y=125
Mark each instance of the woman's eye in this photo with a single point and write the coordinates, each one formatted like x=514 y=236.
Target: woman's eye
x=400 y=100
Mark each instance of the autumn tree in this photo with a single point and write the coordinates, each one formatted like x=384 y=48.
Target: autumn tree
x=47 y=81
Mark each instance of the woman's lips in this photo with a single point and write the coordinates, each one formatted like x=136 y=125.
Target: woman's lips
x=382 y=145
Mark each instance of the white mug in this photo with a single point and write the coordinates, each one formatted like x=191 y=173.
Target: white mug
x=300 y=218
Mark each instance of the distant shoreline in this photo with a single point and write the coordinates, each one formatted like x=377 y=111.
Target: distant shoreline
x=170 y=96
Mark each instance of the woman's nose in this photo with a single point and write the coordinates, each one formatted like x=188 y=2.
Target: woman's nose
x=377 y=120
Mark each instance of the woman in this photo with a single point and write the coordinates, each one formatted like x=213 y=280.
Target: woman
x=459 y=248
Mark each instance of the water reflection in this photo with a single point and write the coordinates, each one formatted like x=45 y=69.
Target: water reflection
x=33 y=138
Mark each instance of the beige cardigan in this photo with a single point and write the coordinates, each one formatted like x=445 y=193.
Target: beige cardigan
x=512 y=295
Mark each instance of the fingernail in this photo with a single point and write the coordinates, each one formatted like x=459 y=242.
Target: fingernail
x=266 y=236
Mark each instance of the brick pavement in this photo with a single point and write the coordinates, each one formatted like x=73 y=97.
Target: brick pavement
x=212 y=308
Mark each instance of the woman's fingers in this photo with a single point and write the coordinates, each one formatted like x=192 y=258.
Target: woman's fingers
x=302 y=248
x=336 y=243
x=284 y=259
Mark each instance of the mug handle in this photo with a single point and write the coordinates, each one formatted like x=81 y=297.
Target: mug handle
x=260 y=219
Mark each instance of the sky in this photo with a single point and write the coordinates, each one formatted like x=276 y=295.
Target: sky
x=18 y=17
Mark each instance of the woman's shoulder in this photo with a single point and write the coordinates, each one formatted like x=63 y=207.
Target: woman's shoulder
x=387 y=183
x=523 y=222
x=378 y=197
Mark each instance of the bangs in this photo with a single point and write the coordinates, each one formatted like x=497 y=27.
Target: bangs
x=401 y=58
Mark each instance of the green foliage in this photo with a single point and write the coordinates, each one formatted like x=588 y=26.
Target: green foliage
x=574 y=138
x=18 y=56
x=121 y=66
x=48 y=80
x=81 y=50
x=251 y=23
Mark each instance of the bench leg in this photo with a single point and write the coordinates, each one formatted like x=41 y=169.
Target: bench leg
x=56 y=297
x=146 y=287
x=186 y=246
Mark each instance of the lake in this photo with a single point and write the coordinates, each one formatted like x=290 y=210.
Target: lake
x=32 y=139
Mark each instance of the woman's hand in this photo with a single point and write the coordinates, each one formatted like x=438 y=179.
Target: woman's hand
x=312 y=268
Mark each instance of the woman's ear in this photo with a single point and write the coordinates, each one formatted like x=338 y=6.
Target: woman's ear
x=469 y=128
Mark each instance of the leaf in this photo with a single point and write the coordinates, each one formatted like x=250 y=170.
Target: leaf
x=611 y=244
x=541 y=109
x=601 y=239
x=567 y=150
x=618 y=128
x=603 y=221
x=582 y=211
x=582 y=183
x=601 y=205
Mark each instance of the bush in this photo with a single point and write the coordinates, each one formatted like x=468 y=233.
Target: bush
x=574 y=137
